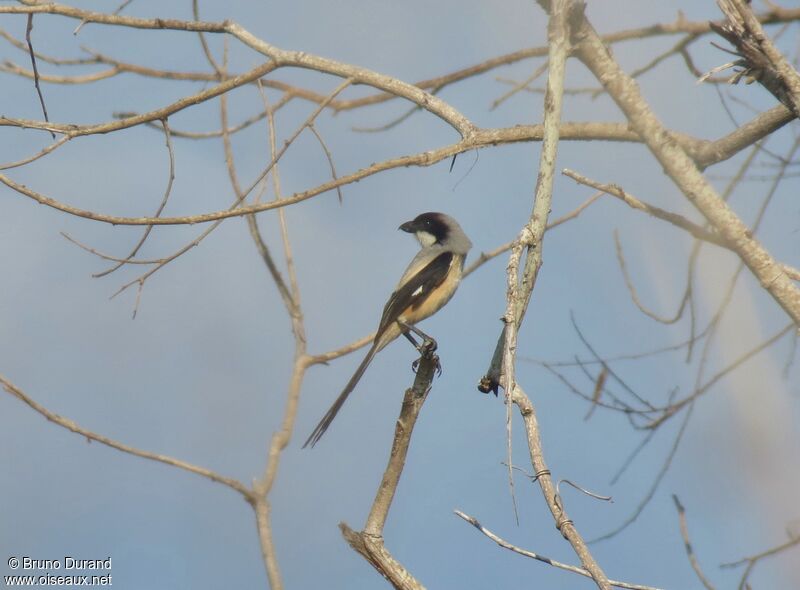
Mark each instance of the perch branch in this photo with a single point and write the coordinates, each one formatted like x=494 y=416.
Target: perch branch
x=369 y=542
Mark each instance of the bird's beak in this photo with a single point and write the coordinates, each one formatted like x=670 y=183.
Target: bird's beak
x=408 y=227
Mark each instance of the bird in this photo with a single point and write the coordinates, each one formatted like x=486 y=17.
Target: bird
x=426 y=286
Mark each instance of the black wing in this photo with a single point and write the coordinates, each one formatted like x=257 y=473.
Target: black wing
x=416 y=289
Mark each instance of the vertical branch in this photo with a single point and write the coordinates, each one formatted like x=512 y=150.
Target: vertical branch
x=558 y=35
x=263 y=511
x=532 y=234
x=291 y=298
x=263 y=486
x=412 y=404
x=369 y=542
x=297 y=323
x=519 y=293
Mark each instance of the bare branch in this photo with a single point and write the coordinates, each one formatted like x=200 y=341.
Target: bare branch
x=328 y=157
x=165 y=198
x=759 y=57
x=672 y=409
x=202 y=38
x=570 y=568
x=478 y=139
x=563 y=523
x=28 y=31
x=263 y=512
x=635 y=296
x=485 y=257
x=695 y=230
x=369 y=542
x=167 y=460
x=40 y=56
x=43 y=152
x=680 y=26
x=683 y=171
x=656 y=482
x=688 y=544
x=519 y=286
x=752 y=560
x=158 y=114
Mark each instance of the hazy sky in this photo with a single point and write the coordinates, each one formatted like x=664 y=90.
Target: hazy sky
x=201 y=373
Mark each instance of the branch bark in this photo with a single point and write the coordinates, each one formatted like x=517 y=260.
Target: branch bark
x=760 y=57
x=109 y=442
x=519 y=293
x=683 y=171
x=369 y=542
x=697 y=231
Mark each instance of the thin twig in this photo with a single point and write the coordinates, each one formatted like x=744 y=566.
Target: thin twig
x=752 y=560
x=632 y=456
x=236 y=206
x=570 y=568
x=162 y=205
x=204 y=44
x=109 y=257
x=41 y=153
x=485 y=257
x=516 y=88
x=656 y=482
x=706 y=152
x=688 y=545
x=700 y=390
x=328 y=157
x=697 y=231
x=614 y=375
x=119 y=9
x=684 y=172
x=109 y=442
x=680 y=26
x=635 y=296
x=28 y=31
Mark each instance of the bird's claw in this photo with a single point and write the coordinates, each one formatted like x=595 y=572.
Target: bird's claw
x=429 y=346
x=428 y=354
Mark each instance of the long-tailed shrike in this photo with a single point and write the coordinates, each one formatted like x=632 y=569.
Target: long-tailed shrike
x=425 y=287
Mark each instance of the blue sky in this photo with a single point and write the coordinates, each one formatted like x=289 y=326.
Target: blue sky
x=201 y=373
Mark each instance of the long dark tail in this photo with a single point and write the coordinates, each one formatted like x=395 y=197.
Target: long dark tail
x=337 y=405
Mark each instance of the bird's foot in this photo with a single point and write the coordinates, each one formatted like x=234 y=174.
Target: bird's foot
x=427 y=350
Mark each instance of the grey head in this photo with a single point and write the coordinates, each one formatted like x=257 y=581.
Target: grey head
x=438 y=229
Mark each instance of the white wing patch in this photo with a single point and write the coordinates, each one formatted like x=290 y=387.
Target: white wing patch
x=418 y=291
